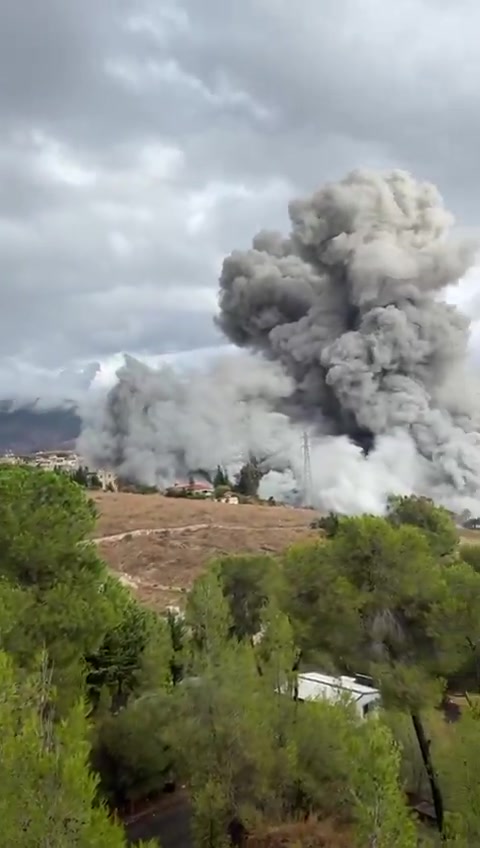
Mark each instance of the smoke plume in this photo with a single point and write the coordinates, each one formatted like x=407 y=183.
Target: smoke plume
x=160 y=424
x=347 y=314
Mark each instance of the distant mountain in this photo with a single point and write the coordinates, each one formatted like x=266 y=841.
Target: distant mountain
x=30 y=428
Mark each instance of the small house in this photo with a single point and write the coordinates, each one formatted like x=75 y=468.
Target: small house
x=314 y=686
x=202 y=488
x=229 y=498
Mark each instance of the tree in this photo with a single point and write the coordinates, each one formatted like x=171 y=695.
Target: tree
x=136 y=653
x=275 y=649
x=248 y=581
x=221 y=478
x=351 y=769
x=48 y=793
x=44 y=518
x=456 y=620
x=323 y=605
x=94 y=481
x=128 y=684
x=224 y=735
x=459 y=766
x=249 y=751
x=248 y=478
x=383 y=819
x=320 y=767
x=389 y=591
x=57 y=575
x=328 y=523
x=80 y=476
x=435 y=521
x=225 y=741
x=178 y=640
x=207 y=615
x=130 y=749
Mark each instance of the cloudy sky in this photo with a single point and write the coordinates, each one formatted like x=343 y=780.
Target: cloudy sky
x=141 y=141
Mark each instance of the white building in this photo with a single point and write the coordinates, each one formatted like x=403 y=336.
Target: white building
x=229 y=498
x=49 y=461
x=107 y=478
x=314 y=686
x=9 y=458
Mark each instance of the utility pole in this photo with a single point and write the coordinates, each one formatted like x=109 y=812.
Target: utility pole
x=307 y=472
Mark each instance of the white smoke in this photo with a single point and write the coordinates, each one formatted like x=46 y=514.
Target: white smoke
x=157 y=424
x=353 y=341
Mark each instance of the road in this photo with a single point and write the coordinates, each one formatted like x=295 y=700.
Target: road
x=169 y=822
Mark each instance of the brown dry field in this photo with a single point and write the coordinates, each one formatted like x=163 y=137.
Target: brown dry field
x=120 y=512
x=470 y=536
x=162 y=566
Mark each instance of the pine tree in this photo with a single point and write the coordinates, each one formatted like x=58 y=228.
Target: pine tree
x=383 y=819
x=48 y=794
x=58 y=577
x=248 y=478
x=220 y=478
x=224 y=735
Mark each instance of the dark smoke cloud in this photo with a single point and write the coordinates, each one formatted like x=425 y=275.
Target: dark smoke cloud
x=348 y=303
x=347 y=336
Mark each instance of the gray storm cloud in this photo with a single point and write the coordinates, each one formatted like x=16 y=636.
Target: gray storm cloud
x=358 y=347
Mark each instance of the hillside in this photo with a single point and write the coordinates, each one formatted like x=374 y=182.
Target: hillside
x=159 y=545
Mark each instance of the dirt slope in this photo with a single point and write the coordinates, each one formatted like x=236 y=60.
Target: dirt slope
x=120 y=512
x=167 y=542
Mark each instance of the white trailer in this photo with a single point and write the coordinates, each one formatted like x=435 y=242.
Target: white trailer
x=314 y=686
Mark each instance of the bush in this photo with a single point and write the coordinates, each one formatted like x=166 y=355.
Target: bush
x=221 y=491
x=130 y=753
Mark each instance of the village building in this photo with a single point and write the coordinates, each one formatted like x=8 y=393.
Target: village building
x=229 y=498
x=50 y=461
x=195 y=487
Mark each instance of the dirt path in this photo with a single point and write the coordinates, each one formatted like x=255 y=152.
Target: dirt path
x=152 y=531
x=186 y=528
x=161 y=563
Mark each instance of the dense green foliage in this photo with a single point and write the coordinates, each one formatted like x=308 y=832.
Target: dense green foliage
x=397 y=599
x=52 y=576
x=434 y=521
x=103 y=701
x=220 y=478
x=47 y=791
x=249 y=477
x=247 y=582
x=58 y=611
x=86 y=478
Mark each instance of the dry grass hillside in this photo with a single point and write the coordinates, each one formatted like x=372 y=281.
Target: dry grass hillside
x=470 y=536
x=159 y=545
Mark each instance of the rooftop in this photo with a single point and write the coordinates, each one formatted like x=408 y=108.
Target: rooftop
x=314 y=685
x=196 y=485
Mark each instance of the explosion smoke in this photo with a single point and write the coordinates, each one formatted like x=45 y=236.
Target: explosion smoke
x=156 y=425
x=348 y=305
